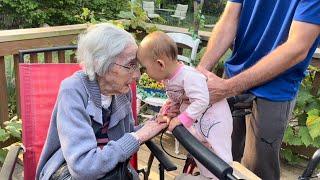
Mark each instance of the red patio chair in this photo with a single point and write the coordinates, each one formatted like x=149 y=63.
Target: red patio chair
x=39 y=84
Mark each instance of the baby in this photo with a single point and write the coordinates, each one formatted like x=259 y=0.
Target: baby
x=185 y=86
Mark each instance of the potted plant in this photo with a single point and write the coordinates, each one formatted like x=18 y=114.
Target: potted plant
x=148 y=87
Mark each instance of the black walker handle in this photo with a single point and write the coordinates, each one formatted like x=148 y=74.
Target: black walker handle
x=312 y=165
x=212 y=162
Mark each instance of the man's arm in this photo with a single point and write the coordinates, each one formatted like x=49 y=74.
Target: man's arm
x=222 y=35
x=301 y=37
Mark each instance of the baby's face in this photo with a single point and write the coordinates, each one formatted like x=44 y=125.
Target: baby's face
x=153 y=69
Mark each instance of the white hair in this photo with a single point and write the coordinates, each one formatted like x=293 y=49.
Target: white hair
x=98 y=47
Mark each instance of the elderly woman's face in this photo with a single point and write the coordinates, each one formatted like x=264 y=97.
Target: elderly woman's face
x=122 y=73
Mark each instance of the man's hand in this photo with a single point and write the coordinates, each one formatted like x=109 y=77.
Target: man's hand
x=149 y=130
x=218 y=88
x=173 y=123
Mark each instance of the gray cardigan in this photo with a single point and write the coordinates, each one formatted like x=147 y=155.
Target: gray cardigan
x=71 y=137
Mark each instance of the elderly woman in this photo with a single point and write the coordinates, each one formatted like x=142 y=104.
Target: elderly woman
x=91 y=132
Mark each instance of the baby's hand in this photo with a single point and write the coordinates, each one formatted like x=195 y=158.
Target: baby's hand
x=163 y=119
x=170 y=109
x=173 y=123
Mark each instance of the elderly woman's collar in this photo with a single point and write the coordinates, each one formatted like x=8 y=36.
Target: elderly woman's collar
x=120 y=105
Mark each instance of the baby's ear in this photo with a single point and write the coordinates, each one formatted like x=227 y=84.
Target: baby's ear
x=161 y=63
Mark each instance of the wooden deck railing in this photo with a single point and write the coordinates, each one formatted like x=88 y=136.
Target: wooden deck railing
x=11 y=41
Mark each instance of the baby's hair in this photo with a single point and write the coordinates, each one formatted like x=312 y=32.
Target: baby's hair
x=160 y=45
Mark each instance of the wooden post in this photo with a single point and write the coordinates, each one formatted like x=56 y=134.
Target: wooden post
x=73 y=58
x=48 y=57
x=17 y=82
x=33 y=57
x=3 y=94
x=61 y=57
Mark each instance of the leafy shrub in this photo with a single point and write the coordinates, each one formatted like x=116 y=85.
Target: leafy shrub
x=303 y=129
x=12 y=129
x=34 y=13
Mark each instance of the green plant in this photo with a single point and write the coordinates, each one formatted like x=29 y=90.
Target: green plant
x=158 y=3
x=20 y=13
x=303 y=129
x=144 y=94
x=87 y=15
x=199 y=20
x=216 y=8
x=106 y=9
x=136 y=21
x=34 y=13
x=146 y=82
x=195 y=30
x=12 y=128
x=11 y=87
x=219 y=67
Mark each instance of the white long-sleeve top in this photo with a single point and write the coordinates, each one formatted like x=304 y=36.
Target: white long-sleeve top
x=188 y=87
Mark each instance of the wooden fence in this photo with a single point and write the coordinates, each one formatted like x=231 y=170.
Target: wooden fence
x=11 y=41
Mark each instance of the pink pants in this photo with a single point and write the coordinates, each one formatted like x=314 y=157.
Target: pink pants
x=214 y=130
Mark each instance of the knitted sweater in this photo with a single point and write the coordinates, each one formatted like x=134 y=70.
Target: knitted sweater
x=71 y=137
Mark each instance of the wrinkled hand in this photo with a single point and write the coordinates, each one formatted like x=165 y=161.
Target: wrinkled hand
x=170 y=109
x=173 y=123
x=163 y=119
x=218 y=87
x=149 y=130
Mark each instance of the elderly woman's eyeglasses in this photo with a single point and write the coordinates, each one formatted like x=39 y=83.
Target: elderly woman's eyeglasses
x=132 y=67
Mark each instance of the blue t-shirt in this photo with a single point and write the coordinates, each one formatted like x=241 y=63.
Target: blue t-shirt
x=263 y=26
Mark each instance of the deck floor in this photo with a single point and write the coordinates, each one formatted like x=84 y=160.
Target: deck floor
x=288 y=172
x=168 y=143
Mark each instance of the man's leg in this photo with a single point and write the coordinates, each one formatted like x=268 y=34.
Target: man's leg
x=238 y=138
x=265 y=130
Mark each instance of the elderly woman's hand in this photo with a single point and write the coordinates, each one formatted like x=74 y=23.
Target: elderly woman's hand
x=149 y=130
x=162 y=119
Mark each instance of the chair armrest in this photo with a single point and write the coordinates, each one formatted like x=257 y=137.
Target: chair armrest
x=161 y=156
x=10 y=162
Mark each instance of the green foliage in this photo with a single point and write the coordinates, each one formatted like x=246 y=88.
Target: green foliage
x=146 y=82
x=215 y=8
x=34 y=13
x=87 y=15
x=148 y=87
x=12 y=128
x=304 y=128
x=291 y=137
x=199 y=20
x=11 y=87
x=136 y=21
x=107 y=9
x=21 y=13
x=313 y=123
x=158 y=3
x=144 y=93
x=305 y=136
x=219 y=68
x=290 y=156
